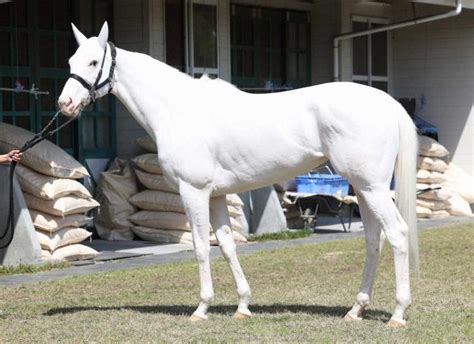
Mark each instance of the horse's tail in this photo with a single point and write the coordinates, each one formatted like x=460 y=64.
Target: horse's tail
x=405 y=183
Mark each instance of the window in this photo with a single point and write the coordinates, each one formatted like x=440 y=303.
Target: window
x=175 y=39
x=203 y=33
x=370 y=54
x=15 y=70
x=270 y=48
x=204 y=36
x=192 y=36
x=297 y=45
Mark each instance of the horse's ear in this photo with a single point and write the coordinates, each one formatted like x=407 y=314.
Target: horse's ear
x=103 y=35
x=80 y=38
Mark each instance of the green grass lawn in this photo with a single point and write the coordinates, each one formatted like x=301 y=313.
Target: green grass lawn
x=300 y=294
x=31 y=269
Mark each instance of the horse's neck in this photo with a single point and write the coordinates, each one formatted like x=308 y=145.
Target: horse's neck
x=147 y=87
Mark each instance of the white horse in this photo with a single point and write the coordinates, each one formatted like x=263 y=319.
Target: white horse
x=214 y=140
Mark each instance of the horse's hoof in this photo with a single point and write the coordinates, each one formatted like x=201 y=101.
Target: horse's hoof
x=396 y=324
x=197 y=318
x=241 y=316
x=350 y=318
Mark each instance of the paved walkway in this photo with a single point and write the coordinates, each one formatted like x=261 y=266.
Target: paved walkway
x=133 y=254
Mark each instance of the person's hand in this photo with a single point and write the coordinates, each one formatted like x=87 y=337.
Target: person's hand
x=14 y=155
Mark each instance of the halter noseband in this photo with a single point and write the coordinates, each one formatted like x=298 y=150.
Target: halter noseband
x=92 y=88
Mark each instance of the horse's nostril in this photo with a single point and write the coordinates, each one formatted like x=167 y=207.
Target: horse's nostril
x=65 y=102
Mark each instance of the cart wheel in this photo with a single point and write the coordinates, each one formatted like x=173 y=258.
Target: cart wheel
x=308 y=219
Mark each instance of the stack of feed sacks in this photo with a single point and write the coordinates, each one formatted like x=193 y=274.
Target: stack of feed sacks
x=290 y=208
x=461 y=185
x=161 y=216
x=114 y=190
x=434 y=174
x=56 y=200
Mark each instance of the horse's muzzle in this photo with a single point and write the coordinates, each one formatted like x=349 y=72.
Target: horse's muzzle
x=68 y=108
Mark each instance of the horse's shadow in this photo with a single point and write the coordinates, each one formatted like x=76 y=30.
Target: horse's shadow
x=327 y=311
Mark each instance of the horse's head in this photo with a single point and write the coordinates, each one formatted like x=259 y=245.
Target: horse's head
x=90 y=67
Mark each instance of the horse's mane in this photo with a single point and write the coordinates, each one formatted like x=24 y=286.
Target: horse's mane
x=203 y=84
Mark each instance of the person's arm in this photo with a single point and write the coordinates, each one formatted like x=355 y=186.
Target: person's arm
x=13 y=155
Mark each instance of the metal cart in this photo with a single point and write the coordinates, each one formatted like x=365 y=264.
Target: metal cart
x=313 y=205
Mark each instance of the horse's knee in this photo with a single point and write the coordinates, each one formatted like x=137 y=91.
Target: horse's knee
x=202 y=252
x=397 y=236
x=226 y=242
x=228 y=249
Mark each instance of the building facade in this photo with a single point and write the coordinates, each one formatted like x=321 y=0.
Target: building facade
x=260 y=46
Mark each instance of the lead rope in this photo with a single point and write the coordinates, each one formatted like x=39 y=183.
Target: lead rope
x=10 y=226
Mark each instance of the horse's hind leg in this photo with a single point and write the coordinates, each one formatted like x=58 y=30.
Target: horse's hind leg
x=386 y=216
x=221 y=224
x=196 y=205
x=372 y=246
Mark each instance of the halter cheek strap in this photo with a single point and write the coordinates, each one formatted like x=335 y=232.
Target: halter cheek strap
x=92 y=88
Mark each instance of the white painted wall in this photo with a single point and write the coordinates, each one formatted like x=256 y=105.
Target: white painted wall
x=437 y=60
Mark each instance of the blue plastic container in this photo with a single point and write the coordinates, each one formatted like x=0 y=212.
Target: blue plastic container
x=324 y=184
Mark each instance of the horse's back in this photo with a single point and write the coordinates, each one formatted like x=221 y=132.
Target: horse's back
x=246 y=141
x=355 y=126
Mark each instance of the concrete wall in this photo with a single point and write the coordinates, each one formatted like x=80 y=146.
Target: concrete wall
x=25 y=247
x=437 y=60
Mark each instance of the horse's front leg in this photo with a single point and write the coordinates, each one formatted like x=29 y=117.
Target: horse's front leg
x=221 y=224
x=196 y=205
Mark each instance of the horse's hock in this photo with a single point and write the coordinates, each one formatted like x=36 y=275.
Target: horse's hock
x=25 y=247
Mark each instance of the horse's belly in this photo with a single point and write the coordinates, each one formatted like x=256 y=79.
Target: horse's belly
x=264 y=170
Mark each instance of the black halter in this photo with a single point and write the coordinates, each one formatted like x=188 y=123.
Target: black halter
x=92 y=88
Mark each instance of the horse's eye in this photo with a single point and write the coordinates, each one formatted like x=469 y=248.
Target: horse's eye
x=93 y=63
